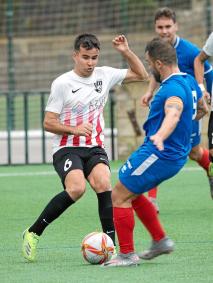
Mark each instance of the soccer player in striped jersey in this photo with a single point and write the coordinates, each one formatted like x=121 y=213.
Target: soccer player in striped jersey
x=74 y=114
x=164 y=152
x=199 y=61
x=166 y=27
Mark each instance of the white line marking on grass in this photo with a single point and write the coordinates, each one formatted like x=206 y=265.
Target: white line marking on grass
x=50 y=173
x=27 y=174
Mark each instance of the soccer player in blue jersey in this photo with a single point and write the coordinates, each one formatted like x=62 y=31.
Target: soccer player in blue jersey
x=206 y=52
x=164 y=152
x=166 y=27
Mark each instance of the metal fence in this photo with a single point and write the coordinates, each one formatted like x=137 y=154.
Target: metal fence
x=36 y=41
x=22 y=136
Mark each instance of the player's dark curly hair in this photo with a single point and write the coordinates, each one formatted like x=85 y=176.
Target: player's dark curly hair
x=159 y=49
x=87 y=41
x=165 y=12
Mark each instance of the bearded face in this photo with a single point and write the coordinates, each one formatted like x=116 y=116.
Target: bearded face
x=156 y=75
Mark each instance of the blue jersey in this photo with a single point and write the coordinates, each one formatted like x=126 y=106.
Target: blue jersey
x=186 y=53
x=177 y=145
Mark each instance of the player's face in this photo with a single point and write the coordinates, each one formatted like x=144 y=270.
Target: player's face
x=166 y=29
x=85 y=61
x=153 y=67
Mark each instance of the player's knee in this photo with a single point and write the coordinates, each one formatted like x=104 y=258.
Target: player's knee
x=75 y=192
x=196 y=153
x=101 y=184
x=116 y=199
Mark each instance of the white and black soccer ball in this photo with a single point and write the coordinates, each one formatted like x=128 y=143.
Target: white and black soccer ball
x=97 y=247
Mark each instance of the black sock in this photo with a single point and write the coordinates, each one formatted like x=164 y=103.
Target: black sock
x=106 y=214
x=53 y=210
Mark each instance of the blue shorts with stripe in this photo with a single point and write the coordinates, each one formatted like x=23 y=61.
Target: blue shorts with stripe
x=144 y=170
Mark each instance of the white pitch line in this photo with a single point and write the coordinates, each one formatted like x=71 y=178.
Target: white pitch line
x=18 y=174
x=50 y=173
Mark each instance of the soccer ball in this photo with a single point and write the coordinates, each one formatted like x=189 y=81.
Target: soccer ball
x=97 y=247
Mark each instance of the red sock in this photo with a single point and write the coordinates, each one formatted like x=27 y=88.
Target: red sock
x=124 y=225
x=153 y=193
x=204 y=161
x=149 y=217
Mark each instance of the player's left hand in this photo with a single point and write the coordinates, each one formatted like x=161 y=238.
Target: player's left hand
x=120 y=43
x=157 y=141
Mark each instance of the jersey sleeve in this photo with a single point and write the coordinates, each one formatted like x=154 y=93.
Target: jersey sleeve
x=192 y=52
x=55 y=100
x=208 y=47
x=174 y=91
x=115 y=76
x=209 y=81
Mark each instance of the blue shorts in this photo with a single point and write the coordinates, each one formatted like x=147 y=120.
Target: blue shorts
x=144 y=170
x=196 y=133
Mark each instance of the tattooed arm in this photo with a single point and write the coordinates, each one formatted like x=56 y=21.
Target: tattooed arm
x=202 y=109
x=173 y=109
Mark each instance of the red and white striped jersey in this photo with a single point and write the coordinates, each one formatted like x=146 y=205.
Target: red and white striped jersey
x=80 y=100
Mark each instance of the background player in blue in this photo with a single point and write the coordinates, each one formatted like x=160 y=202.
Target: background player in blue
x=206 y=52
x=166 y=27
x=164 y=152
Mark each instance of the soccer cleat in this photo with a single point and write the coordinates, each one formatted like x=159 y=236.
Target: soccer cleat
x=30 y=242
x=210 y=176
x=164 y=246
x=154 y=202
x=114 y=255
x=130 y=259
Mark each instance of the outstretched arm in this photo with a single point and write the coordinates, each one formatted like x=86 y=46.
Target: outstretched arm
x=136 y=71
x=199 y=71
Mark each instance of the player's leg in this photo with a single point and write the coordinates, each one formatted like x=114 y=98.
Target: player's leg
x=74 y=185
x=140 y=173
x=148 y=216
x=152 y=195
x=137 y=176
x=124 y=225
x=161 y=244
x=201 y=156
x=98 y=175
x=198 y=153
x=210 y=139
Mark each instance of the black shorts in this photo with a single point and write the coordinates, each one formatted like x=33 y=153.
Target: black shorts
x=210 y=130
x=83 y=158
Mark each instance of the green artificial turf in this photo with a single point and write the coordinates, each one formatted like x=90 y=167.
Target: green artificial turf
x=186 y=211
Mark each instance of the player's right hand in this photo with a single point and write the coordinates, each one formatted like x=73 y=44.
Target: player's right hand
x=157 y=141
x=146 y=98
x=83 y=130
x=207 y=97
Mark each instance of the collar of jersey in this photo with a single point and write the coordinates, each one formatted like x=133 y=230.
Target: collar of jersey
x=177 y=40
x=174 y=74
x=86 y=80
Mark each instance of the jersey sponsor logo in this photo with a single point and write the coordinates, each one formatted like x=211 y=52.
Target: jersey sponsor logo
x=67 y=164
x=97 y=103
x=98 y=86
x=73 y=91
